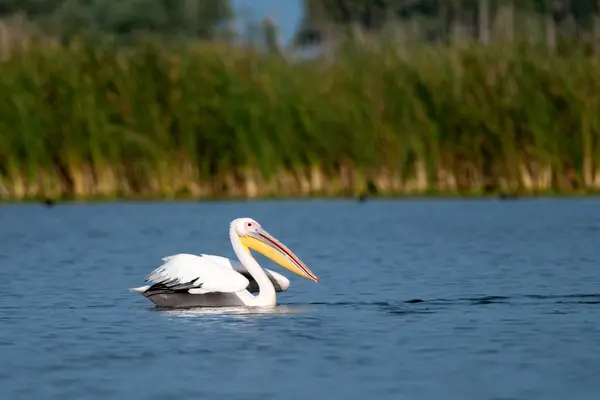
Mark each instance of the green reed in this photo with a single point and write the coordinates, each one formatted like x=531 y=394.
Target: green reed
x=83 y=120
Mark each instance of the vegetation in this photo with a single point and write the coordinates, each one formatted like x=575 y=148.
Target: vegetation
x=124 y=18
x=86 y=117
x=210 y=120
x=451 y=20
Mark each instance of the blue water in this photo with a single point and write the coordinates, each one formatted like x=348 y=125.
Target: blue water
x=417 y=299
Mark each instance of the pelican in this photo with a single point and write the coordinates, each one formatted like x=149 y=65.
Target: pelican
x=187 y=280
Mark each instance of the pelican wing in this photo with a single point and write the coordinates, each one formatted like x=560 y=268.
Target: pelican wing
x=197 y=275
x=280 y=282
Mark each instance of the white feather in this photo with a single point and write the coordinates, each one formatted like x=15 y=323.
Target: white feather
x=140 y=289
x=209 y=276
x=282 y=281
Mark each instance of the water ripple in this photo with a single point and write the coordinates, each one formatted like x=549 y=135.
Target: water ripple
x=416 y=299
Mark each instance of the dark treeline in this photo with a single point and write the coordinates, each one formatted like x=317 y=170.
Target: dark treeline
x=450 y=20
x=65 y=18
x=145 y=113
x=431 y=20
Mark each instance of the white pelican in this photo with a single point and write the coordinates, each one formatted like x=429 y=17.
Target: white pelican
x=186 y=280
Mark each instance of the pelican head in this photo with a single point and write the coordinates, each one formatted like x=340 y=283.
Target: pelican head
x=254 y=237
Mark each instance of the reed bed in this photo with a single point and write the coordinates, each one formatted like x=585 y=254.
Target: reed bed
x=86 y=120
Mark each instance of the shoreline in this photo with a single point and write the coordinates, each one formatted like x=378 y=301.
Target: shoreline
x=365 y=198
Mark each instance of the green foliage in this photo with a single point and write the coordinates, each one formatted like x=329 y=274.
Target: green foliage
x=436 y=18
x=211 y=120
x=122 y=18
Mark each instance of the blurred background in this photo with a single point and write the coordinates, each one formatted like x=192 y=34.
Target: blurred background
x=242 y=99
x=254 y=100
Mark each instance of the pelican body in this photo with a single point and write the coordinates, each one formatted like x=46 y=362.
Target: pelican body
x=187 y=280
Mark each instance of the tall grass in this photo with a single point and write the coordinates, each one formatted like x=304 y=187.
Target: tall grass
x=83 y=120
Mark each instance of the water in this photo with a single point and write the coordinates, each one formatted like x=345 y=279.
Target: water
x=416 y=300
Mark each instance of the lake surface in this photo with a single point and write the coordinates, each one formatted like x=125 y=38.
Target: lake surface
x=417 y=299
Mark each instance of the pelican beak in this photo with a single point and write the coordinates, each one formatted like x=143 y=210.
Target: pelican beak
x=268 y=246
